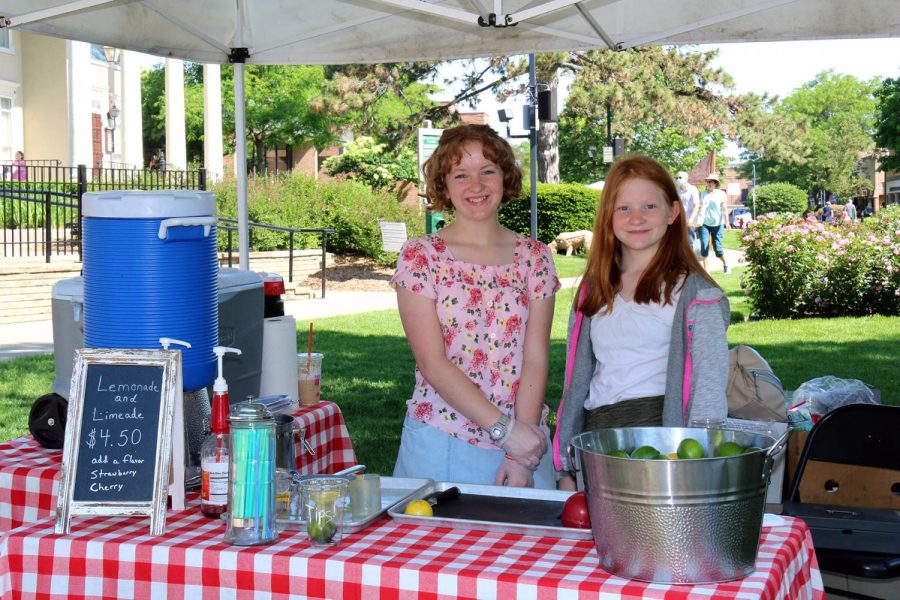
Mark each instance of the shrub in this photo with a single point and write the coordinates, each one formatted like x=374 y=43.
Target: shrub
x=299 y=201
x=561 y=207
x=802 y=268
x=365 y=161
x=780 y=198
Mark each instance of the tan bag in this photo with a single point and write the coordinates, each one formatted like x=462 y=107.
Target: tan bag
x=754 y=391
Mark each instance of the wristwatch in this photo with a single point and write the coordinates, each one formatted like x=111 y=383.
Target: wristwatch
x=498 y=430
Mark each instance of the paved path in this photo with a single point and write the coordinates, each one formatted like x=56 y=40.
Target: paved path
x=23 y=339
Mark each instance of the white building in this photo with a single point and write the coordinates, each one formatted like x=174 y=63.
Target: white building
x=63 y=100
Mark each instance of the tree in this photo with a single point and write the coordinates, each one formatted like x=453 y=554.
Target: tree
x=887 y=125
x=282 y=107
x=153 y=108
x=364 y=160
x=834 y=118
x=667 y=103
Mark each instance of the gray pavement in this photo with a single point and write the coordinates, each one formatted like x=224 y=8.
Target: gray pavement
x=23 y=339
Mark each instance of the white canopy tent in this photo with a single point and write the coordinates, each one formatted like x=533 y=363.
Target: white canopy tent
x=364 y=31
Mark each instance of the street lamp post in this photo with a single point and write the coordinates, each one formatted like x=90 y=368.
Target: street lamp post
x=112 y=115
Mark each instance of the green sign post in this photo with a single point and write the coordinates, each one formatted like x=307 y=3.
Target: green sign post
x=428 y=141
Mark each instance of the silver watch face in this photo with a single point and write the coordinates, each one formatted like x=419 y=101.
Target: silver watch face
x=496 y=432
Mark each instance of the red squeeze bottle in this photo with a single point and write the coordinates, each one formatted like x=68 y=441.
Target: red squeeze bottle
x=214 y=457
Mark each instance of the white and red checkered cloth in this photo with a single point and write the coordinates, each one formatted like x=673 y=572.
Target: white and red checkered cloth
x=115 y=557
x=29 y=473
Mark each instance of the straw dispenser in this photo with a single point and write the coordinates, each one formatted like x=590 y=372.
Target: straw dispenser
x=251 y=501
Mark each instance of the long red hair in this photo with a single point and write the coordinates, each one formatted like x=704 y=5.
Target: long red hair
x=674 y=258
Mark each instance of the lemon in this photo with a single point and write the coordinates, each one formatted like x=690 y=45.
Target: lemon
x=729 y=449
x=673 y=455
x=419 y=508
x=645 y=452
x=690 y=448
x=324 y=497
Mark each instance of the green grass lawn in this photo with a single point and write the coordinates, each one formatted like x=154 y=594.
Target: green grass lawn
x=368 y=368
x=732 y=239
x=569 y=266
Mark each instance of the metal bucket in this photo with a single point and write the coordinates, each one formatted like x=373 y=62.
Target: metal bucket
x=674 y=521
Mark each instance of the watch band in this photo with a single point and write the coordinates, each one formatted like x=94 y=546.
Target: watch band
x=499 y=431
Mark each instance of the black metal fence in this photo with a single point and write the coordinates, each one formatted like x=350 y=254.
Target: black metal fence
x=40 y=201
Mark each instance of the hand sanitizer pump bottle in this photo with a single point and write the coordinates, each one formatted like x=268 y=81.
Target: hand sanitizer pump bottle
x=214 y=456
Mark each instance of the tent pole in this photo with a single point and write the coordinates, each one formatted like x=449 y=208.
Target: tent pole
x=240 y=159
x=533 y=139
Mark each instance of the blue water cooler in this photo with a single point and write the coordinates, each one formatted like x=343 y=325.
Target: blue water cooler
x=150 y=271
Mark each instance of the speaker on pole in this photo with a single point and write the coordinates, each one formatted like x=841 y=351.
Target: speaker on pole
x=547 y=105
x=618 y=147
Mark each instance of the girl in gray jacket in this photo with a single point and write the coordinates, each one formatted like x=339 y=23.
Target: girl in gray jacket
x=647 y=341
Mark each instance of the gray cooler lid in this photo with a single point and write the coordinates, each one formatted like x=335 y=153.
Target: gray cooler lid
x=238 y=280
x=154 y=204
x=69 y=289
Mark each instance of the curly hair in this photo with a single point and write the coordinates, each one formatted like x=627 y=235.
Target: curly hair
x=449 y=153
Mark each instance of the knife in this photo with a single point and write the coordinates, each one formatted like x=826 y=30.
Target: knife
x=436 y=498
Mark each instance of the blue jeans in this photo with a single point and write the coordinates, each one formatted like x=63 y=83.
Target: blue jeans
x=716 y=231
x=426 y=451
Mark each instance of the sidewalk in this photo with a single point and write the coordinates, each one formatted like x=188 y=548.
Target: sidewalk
x=24 y=339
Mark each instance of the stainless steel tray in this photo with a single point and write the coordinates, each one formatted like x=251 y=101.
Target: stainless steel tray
x=550 y=501
x=394 y=490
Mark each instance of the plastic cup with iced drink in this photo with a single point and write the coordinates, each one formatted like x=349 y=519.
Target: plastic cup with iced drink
x=309 y=377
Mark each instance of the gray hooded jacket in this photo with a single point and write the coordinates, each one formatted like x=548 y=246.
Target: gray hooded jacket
x=702 y=315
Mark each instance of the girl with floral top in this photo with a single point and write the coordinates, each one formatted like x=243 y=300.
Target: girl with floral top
x=476 y=302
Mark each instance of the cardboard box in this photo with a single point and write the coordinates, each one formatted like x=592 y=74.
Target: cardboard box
x=796 y=442
x=840 y=484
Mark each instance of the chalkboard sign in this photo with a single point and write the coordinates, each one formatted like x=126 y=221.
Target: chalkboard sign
x=118 y=444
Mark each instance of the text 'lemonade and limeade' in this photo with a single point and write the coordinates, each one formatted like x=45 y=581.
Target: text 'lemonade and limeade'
x=123 y=411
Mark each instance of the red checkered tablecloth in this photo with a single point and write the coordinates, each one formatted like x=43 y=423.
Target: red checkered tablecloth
x=28 y=480
x=29 y=473
x=115 y=557
x=329 y=449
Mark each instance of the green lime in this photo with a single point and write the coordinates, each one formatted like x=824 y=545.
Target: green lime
x=752 y=449
x=321 y=530
x=618 y=454
x=690 y=448
x=645 y=452
x=729 y=449
x=661 y=457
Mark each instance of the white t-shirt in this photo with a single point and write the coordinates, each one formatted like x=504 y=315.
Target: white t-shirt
x=689 y=197
x=714 y=203
x=631 y=346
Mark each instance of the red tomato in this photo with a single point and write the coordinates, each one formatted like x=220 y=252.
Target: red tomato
x=575 y=511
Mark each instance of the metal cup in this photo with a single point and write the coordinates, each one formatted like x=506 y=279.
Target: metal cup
x=285 y=453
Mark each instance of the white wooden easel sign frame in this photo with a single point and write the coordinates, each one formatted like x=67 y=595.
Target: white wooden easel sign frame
x=105 y=454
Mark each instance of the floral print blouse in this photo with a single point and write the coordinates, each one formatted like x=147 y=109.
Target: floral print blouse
x=483 y=312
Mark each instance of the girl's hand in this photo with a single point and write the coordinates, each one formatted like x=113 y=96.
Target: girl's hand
x=525 y=444
x=513 y=474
